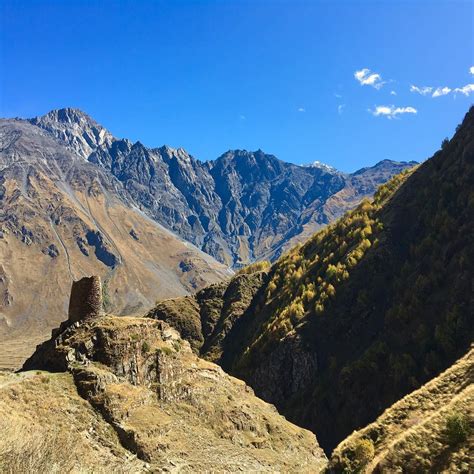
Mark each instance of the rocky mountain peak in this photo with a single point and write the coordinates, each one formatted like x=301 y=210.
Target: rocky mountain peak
x=322 y=166
x=385 y=164
x=77 y=129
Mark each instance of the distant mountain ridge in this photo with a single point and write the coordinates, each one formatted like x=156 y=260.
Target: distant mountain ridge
x=217 y=205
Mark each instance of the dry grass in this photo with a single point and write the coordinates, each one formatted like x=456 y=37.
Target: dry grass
x=23 y=450
x=47 y=428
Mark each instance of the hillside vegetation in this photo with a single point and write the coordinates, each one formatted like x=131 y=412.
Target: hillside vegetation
x=369 y=308
x=429 y=430
x=382 y=300
x=304 y=281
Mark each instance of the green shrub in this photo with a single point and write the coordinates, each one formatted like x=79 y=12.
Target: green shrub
x=165 y=350
x=364 y=451
x=145 y=347
x=457 y=428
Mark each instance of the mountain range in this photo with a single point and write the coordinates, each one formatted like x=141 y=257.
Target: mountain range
x=360 y=336
x=217 y=205
x=153 y=222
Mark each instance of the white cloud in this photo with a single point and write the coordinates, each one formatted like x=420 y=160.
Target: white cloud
x=301 y=109
x=466 y=90
x=421 y=90
x=338 y=96
x=471 y=70
x=390 y=111
x=393 y=93
x=441 y=91
x=340 y=108
x=368 y=78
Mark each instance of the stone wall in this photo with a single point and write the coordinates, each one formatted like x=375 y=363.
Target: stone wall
x=86 y=299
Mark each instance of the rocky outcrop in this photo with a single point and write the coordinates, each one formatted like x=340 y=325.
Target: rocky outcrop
x=206 y=318
x=170 y=408
x=286 y=372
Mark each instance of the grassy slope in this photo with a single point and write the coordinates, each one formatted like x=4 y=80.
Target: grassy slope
x=47 y=427
x=412 y=434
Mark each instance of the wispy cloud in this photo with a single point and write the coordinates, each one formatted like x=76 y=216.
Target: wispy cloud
x=242 y=117
x=340 y=108
x=471 y=70
x=301 y=109
x=466 y=90
x=421 y=90
x=338 y=96
x=368 y=78
x=439 y=91
x=444 y=90
x=393 y=93
x=390 y=111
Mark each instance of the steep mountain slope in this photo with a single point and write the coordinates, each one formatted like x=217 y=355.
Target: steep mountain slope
x=429 y=430
x=369 y=308
x=61 y=218
x=167 y=406
x=241 y=207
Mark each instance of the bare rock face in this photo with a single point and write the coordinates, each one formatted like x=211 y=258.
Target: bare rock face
x=86 y=299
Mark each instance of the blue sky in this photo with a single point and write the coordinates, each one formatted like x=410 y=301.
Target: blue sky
x=216 y=75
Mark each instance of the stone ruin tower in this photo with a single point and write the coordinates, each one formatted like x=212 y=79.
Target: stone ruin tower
x=86 y=299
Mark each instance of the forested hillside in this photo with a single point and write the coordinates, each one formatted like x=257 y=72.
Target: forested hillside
x=371 y=307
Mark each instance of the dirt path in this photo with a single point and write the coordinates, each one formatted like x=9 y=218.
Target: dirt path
x=10 y=378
